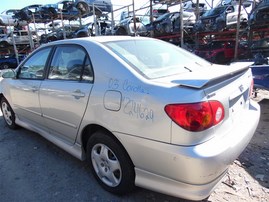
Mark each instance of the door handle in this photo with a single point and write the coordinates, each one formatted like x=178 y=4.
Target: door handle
x=78 y=94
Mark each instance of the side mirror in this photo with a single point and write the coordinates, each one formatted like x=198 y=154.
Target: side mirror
x=9 y=73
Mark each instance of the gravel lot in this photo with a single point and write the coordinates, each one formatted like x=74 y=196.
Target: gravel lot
x=33 y=169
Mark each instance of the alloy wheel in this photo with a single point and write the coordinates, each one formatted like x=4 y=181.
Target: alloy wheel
x=106 y=165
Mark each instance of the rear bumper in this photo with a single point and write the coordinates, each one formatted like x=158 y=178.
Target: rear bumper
x=175 y=188
x=190 y=172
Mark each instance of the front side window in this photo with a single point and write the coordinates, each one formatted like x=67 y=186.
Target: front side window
x=70 y=63
x=34 y=67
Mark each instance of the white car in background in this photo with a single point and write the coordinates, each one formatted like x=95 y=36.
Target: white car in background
x=21 y=37
x=6 y=18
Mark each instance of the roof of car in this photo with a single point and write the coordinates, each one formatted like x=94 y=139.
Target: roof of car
x=96 y=39
x=100 y=39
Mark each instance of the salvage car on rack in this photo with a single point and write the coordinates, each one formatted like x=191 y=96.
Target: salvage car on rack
x=7 y=18
x=260 y=14
x=67 y=10
x=102 y=5
x=222 y=52
x=191 y=6
x=169 y=23
x=141 y=111
x=10 y=61
x=58 y=34
x=132 y=26
x=220 y=18
x=103 y=27
x=158 y=10
x=21 y=37
x=27 y=13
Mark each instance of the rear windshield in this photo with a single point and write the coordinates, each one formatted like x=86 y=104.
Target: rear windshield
x=155 y=58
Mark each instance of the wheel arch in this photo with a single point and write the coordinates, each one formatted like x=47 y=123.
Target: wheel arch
x=4 y=44
x=120 y=30
x=8 y=113
x=2 y=65
x=1 y=95
x=89 y=130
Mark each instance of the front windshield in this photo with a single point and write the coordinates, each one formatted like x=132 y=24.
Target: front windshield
x=155 y=58
x=214 y=11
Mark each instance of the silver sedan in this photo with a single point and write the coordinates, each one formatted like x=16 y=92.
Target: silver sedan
x=141 y=111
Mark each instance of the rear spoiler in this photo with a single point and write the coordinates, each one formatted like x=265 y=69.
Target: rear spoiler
x=218 y=74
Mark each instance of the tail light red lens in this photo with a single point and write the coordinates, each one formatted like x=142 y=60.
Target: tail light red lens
x=196 y=116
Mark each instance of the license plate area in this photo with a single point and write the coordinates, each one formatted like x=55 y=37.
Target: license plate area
x=238 y=104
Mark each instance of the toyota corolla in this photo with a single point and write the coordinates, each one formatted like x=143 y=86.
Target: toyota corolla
x=141 y=111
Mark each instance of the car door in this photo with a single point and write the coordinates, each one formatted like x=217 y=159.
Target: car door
x=24 y=89
x=64 y=94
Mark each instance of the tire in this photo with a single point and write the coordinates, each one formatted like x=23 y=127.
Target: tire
x=83 y=7
x=8 y=114
x=104 y=153
x=4 y=44
x=4 y=66
x=220 y=59
x=121 y=31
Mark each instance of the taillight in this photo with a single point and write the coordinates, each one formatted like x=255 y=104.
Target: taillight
x=196 y=116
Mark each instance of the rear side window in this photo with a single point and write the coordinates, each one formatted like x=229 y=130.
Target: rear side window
x=70 y=63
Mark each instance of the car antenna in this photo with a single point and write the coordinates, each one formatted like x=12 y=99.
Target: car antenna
x=188 y=69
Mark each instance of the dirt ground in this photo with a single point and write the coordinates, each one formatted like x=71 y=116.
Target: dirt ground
x=33 y=169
